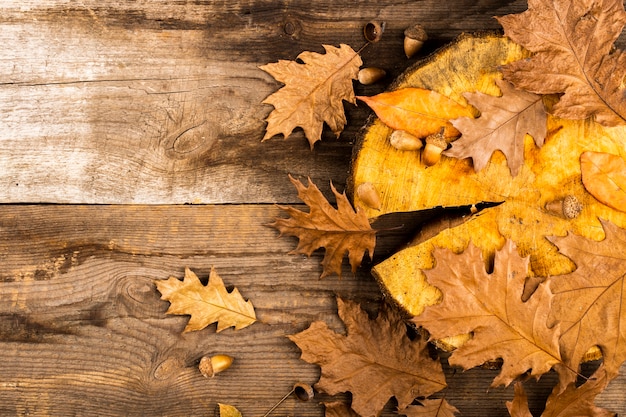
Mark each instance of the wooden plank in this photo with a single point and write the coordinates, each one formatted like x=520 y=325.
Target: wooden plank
x=159 y=102
x=83 y=330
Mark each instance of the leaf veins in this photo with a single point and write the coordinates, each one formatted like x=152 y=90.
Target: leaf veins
x=313 y=93
x=337 y=230
x=374 y=361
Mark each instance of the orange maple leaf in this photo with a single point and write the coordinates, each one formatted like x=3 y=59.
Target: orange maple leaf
x=374 y=361
x=338 y=230
x=490 y=307
x=418 y=111
x=313 y=93
x=572 y=42
x=206 y=304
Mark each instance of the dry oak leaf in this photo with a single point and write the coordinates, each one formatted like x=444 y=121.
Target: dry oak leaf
x=338 y=409
x=589 y=302
x=337 y=230
x=490 y=307
x=430 y=408
x=572 y=402
x=503 y=124
x=206 y=304
x=418 y=111
x=572 y=43
x=313 y=92
x=604 y=176
x=375 y=360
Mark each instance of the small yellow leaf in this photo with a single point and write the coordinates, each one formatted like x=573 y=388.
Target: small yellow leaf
x=604 y=176
x=418 y=111
x=228 y=411
x=206 y=304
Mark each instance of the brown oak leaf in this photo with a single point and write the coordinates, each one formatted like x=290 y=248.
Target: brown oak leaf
x=503 y=123
x=206 y=304
x=589 y=302
x=604 y=176
x=337 y=230
x=338 y=409
x=572 y=402
x=313 y=93
x=490 y=307
x=375 y=360
x=572 y=43
x=430 y=408
x=418 y=111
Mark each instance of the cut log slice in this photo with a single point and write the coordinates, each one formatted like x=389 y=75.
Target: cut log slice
x=549 y=173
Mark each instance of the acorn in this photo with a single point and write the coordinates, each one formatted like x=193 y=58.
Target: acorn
x=210 y=366
x=370 y=75
x=373 y=31
x=414 y=38
x=404 y=141
x=435 y=144
x=368 y=195
x=567 y=207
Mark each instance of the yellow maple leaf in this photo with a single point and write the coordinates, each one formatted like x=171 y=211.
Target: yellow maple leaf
x=313 y=93
x=206 y=304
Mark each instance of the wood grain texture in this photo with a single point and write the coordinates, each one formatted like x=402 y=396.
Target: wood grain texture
x=159 y=102
x=83 y=330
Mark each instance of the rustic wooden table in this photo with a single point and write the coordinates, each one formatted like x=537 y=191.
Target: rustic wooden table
x=131 y=149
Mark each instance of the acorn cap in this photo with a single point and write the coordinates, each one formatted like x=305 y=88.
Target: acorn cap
x=571 y=207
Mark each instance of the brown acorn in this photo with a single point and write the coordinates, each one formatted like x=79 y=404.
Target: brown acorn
x=567 y=207
x=370 y=75
x=414 y=38
x=210 y=366
x=435 y=144
x=368 y=194
x=404 y=141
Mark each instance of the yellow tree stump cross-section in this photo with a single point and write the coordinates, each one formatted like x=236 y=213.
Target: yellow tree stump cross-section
x=404 y=183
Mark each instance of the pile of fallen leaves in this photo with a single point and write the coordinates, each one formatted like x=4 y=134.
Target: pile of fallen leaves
x=528 y=325
x=531 y=328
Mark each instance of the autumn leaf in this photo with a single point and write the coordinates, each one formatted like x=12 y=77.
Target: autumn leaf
x=228 y=411
x=374 y=361
x=573 y=401
x=430 y=408
x=604 y=176
x=503 y=123
x=589 y=303
x=313 y=93
x=418 y=111
x=519 y=406
x=572 y=43
x=337 y=230
x=206 y=304
x=339 y=409
x=490 y=307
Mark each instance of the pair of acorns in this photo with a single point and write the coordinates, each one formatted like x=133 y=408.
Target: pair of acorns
x=435 y=145
x=414 y=38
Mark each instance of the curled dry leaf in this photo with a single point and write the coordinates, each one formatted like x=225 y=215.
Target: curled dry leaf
x=604 y=176
x=572 y=43
x=503 y=123
x=430 y=408
x=375 y=360
x=206 y=304
x=313 y=93
x=418 y=111
x=337 y=230
x=490 y=307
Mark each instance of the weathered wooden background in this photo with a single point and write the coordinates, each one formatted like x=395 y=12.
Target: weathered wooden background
x=129 y=149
